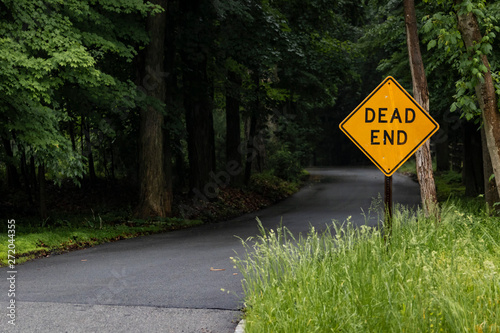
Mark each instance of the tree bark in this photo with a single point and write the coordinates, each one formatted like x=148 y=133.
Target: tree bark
x=443 y=149
x=197 y=98
x=12 y=175
x=490 y=189
x=421 y=95
x=233 y=126
x=42 y=193
x=154 y=199
x=199 y=125
x=89 y=153
x=251 y=149
x=485 y=92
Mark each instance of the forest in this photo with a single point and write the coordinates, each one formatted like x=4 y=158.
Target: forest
x=164 y=104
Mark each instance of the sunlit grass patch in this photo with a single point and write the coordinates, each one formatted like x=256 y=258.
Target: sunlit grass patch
x=36 y=242
x=433 y=277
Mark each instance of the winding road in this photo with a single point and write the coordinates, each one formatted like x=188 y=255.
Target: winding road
x=172 y=282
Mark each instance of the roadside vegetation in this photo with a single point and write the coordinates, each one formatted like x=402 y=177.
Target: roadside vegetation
x=81 y=227
x=433 y=275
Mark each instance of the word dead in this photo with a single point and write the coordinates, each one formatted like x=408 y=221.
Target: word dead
x=389 y=137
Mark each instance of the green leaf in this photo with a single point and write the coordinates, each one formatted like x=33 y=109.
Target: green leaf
x=431 y=44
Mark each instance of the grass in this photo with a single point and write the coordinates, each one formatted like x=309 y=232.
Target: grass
x=33 y=242
x=433 y=277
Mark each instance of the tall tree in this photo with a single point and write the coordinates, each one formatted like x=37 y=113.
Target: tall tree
x=233 y=124
x=49 y=48
x=196 y=43
x=464 y=33
x=154 y=198
x=485 y=89
x=421 y=95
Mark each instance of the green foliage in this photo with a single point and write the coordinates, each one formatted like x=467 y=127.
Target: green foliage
x=272 y=186
x=449 y=184
x=285 y=165
x=441 y=32
x=348 y=279
x=49 y=49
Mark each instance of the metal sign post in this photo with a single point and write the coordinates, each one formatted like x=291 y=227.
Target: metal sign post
x=388 y=207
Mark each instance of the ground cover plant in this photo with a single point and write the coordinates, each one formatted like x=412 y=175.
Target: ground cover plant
x=433 y=276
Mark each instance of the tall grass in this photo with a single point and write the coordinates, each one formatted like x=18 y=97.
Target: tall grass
x=432 y=277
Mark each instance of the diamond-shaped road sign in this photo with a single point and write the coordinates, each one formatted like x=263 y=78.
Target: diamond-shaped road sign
x=389 y=126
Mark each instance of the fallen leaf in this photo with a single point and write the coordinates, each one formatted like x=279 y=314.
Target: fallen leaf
x=217 y=269
x=235 y=273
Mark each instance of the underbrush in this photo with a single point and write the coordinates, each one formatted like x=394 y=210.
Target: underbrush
x=263 y=190
x=433 y=276
x=73 y=224
x=449 y=184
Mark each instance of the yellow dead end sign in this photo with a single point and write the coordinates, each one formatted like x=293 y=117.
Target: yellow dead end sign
x=389 y=126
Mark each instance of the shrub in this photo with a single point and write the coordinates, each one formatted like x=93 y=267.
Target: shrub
x=285 y=165
x=271 y=186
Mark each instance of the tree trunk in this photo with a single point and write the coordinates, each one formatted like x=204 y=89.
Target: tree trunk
x=197 y=98
x=421 y=95
x=71 y=130
x=485 y=92
x=12 y=175
x=472 y=158
x=154 y=200
x=251 y=149
x=443 y=149
x=89 y=153
x=42 y=193
x=199 y=125
x=233 y=127
x=490 y=188
x=25 y=174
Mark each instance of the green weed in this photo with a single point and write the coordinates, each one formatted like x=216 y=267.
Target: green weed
x=431 y=278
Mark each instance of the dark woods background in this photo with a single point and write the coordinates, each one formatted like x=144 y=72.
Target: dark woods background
x=153 y=106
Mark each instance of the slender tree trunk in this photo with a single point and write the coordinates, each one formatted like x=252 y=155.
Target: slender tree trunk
x=12 y=175
x=490 y=189
x=112 y=152
x=252 y=151
x=472 y=161
x=485 y=92
x=154 y=200
x=32 y=183
x=443 y=149
x=421 y=95
x=25 y=174
x=197 y=98
x=89 y=153
x=233 y=126
x=42 y=193
x=71 y=130
x=199 y=125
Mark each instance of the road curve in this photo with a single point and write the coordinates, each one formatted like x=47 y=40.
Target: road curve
x=172 y=282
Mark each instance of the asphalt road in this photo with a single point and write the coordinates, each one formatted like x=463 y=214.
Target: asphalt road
x=172 y=282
